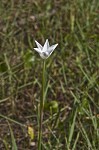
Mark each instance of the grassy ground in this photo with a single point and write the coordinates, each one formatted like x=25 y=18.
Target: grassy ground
x=72 y=73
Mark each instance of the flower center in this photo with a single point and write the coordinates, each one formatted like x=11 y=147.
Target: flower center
x=45 y=54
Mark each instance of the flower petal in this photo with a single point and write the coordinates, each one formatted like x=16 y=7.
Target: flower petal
x=38 y=50
x=46 y=46
x=51 y=48
x=38 y=45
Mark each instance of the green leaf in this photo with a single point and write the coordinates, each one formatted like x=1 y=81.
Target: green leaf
x=14 y=146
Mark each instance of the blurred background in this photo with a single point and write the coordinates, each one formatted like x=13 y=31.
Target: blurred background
x=71 y=114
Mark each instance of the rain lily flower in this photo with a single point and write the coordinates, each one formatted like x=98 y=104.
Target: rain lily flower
x=46 y=50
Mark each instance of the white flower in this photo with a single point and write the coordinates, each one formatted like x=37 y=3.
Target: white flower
x=46 y=50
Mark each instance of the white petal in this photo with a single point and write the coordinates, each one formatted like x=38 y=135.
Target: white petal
x=38 y=50
x=38 y=45
x=46 y=45
x=51 y=48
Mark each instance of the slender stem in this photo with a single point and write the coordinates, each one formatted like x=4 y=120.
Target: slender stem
x=41 y=108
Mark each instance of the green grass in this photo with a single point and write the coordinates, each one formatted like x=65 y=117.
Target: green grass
x=72 y=73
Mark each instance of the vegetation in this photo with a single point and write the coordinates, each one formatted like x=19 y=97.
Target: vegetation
x=71 y=111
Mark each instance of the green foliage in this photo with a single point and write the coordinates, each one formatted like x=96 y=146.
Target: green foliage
x=72 y=120
x=28 y=59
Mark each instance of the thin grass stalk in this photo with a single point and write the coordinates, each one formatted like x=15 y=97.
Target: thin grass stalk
x=41 y=108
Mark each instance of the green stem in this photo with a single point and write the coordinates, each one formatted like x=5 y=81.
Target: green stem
x=41 y=108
